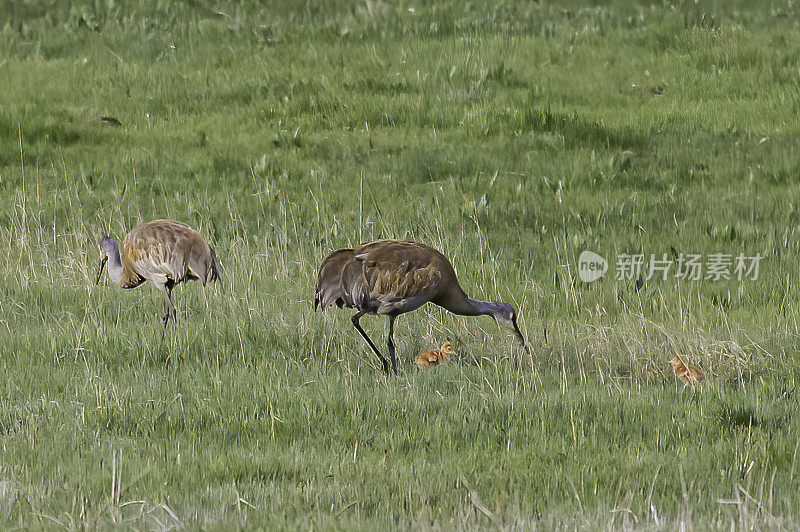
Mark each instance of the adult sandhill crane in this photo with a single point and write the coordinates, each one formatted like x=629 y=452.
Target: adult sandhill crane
x=163 y=252
x=391 y=277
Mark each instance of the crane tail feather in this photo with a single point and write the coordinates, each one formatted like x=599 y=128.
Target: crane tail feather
x=215 y=270
x=329 y=290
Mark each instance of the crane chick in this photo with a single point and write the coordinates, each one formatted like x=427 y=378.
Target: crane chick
x=428 y=359
x=687 y=374
x=163 y=252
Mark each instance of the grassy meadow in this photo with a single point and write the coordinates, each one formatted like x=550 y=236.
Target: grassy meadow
x=512 y=136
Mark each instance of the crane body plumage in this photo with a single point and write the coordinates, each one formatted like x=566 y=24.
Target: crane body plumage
x=392 y=277
x=163 y=252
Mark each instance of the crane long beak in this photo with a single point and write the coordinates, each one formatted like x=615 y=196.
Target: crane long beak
x=102 y=265
x=519 y=336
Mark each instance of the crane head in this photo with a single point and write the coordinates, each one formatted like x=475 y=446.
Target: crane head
x=506 y=317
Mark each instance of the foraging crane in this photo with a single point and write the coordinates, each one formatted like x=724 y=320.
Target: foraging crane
x=392 y=277
x=163 y=252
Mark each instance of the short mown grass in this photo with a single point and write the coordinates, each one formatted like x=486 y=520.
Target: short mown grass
x=511 y=137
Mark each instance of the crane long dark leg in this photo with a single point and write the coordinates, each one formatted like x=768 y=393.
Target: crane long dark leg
x=355 y=319
x=390 y=343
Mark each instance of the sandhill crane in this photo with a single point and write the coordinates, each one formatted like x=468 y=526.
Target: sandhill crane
x=165 y=253
x=391 y=277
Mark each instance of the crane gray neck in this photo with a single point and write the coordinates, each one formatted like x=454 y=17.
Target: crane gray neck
x=476 y=307
x=111 y=248
x=490 y=308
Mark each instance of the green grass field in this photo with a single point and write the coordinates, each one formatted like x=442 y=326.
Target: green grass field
x=510 y=136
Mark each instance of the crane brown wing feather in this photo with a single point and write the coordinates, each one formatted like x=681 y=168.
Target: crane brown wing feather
x=389 y=282
x=167 y=249
x=395 y=270
x=381 y=276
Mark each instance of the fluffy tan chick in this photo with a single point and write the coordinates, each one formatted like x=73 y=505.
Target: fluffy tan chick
x=689 y=375
x=434 y=357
